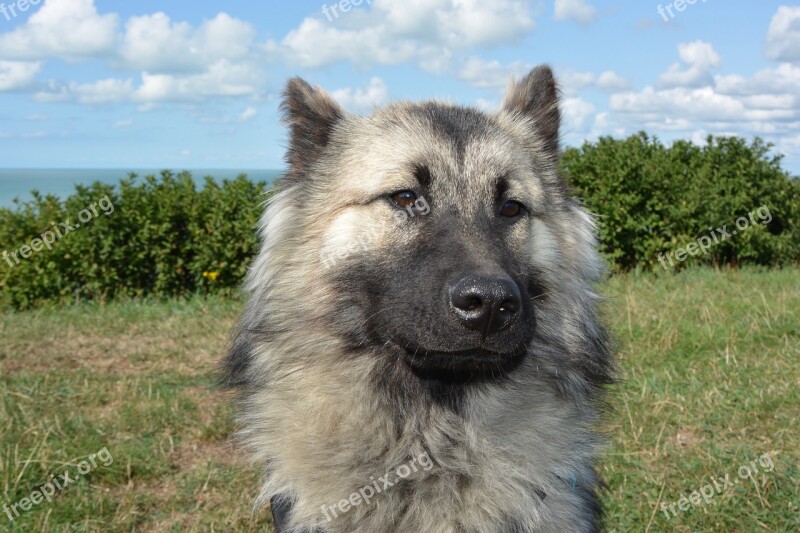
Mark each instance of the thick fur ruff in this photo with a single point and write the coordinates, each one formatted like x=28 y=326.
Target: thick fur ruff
x=326 y=405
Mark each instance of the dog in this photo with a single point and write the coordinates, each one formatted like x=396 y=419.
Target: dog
x=425 y=288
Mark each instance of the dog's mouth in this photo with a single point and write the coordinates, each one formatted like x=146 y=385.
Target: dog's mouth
x=461 y=366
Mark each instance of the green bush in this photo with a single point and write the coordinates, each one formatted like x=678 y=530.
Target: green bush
x=652 y=199
x=164 y=238
x=168 y=238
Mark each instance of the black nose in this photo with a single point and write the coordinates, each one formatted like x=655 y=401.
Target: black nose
x=485 y=304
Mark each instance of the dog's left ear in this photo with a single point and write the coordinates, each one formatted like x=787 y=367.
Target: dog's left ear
x=311 y=114
x=536 y=97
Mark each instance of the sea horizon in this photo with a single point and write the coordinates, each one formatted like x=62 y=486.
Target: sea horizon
x=20 y=182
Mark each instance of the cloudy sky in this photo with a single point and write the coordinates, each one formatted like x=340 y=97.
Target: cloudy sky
x=92 y=83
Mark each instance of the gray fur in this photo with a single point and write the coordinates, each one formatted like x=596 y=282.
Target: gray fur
x=326 y=398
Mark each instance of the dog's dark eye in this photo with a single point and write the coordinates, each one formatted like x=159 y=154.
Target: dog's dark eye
x=511 y=209
x=404 y=198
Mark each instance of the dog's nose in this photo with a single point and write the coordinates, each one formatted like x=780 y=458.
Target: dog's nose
x=485 y=304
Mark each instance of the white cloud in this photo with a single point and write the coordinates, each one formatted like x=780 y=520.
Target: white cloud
x=699 y=137
x=438 y=63
x=155 y=44
x=363 y=99
x=579 y=11
x=316 y=44
x=491 y=73
x=457 y=24
x=698 y=104
x=576 y=113
x=248 y=114
x=611 y=82
x=106 y=91
x=783 y=36
x=222 y=78
x=784 y=79
x=126 y=123
x=396 y=32
x=181 y=63
x=174 y=60
x=68 y=29
x=53 y=91
x=16 y=75
x=790 y=144
x=766 y=103
x=572 y=82
x=483 y=73
x=700 y=58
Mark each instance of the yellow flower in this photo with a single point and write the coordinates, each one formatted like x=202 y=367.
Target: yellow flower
x=211 y=276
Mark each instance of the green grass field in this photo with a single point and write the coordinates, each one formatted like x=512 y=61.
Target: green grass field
x=710 y=380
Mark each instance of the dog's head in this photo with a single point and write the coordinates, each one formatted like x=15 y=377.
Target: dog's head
x=438 y=236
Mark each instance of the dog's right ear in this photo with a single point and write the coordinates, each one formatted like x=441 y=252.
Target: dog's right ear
x=311 y=114
x=536 y=97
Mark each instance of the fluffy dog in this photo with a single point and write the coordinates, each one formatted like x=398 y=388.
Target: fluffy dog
x=424 y=289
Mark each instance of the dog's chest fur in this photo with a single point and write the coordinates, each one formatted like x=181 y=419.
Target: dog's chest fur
x=514 y=458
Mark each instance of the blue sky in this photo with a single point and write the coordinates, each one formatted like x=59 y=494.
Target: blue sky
x=91 y=83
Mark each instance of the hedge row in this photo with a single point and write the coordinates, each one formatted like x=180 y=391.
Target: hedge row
x=167 y=237
x=654 y=199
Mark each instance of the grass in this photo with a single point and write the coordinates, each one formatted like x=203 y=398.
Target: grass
x=710 y=365
x=710 y=380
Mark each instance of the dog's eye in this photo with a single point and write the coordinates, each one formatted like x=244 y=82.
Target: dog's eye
x=511 y=209
x=404 y=198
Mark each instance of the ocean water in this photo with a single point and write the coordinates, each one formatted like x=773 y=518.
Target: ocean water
x=18 y=183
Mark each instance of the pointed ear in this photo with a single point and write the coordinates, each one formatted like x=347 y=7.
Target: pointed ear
x=536 y=97
x=311 y=114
